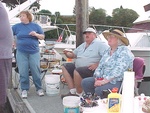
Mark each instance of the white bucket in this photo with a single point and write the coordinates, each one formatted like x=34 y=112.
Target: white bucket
x=52 y=83
x=71 y=104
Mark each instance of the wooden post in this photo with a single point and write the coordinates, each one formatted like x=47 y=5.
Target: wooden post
x=82 y=20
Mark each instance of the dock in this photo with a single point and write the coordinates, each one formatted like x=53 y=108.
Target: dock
x=34 y=103
x=54 y=104
x=49 y=104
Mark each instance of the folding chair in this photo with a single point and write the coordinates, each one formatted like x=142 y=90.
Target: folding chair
x=17 y=78
x=139 y=69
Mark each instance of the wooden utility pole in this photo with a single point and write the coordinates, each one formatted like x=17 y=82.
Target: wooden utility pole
x=82 y=20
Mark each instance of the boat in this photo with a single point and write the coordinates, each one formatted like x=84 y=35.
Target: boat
x=137 y=39
x=42 y=19
x=69 y=44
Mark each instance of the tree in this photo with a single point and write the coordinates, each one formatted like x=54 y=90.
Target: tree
x=36 y=4
x=57 y=15
x=46 y=12
x=97 y=16
x=74 y=10
x=13 y=3
x=123 y=17
x=109 y=20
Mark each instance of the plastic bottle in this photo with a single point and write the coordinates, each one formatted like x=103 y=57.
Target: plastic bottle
x=114 y=101
x=69 y=60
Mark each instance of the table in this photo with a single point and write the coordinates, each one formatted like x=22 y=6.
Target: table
x=102 y=108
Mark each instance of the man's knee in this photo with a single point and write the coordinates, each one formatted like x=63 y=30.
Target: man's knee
x=63 y=68
x=66 y=72
x=77 y=76
x=76 y=72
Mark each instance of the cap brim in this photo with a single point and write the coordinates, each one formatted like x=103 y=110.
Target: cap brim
x=88 y=32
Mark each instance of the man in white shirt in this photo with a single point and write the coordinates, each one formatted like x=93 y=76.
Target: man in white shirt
x=87 y=57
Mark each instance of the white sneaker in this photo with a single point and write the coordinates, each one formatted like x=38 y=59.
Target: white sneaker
x=40 y=92
x=24 y=94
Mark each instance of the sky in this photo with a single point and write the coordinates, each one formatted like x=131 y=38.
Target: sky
x=65 y=7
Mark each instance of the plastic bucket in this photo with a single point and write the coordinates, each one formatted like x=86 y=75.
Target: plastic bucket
x=52 y=84
x=71 y=104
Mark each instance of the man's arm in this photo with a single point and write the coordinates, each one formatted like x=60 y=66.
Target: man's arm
x=69 y=54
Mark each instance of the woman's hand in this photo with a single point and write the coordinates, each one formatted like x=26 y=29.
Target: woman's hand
x=39 y=36
x=33 y=33
x=100 y=82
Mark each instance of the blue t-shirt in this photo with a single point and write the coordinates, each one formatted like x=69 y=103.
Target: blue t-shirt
x=25 y=42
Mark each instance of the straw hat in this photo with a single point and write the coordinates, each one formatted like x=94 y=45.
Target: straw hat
x=89 y=29
x=119 y=34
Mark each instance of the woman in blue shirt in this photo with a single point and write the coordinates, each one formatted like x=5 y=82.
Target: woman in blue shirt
x=28 y=57
x=115 y=61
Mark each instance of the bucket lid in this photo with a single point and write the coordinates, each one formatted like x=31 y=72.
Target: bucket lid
x=71 y=101
x=57 y=71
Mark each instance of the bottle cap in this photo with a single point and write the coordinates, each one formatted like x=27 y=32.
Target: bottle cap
x=115 y=90
x=100 y=78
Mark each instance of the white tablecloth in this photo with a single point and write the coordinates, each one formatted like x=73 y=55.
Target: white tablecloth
x=102 y=108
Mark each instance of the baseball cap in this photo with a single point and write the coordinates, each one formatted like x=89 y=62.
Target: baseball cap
x=89 y=29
